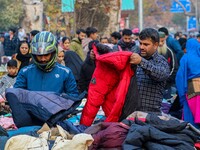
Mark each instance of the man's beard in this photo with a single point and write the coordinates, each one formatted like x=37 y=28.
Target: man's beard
x=43 y=62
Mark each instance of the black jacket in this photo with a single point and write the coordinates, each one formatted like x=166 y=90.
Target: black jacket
x=86 y=72
x=160 y=134
x=127 y=46
x=74 y=62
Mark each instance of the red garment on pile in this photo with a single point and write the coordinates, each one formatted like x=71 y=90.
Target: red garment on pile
x=197 y=146
x=108 y=86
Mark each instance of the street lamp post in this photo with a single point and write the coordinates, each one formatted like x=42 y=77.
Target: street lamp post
x=140 y=6
x=197 y=16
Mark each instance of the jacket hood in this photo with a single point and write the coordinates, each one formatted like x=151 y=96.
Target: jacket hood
x=76 y=40
x=193 y=47
x=118 y=59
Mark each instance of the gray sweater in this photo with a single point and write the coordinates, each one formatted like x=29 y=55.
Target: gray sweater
x=6 y=82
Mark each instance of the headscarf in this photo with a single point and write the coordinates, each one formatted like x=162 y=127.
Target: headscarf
x=62 y=43
x=25 y=59
x=189 y=67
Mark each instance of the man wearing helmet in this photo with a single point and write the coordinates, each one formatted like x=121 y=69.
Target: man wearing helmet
x=45 y=74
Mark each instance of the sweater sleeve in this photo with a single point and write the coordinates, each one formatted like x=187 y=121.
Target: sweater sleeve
x=71 y=86
x=3 y=85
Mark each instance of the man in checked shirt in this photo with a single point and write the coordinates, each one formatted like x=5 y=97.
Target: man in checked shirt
x=152 y=71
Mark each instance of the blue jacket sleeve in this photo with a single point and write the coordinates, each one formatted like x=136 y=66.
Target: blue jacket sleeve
x=176 y=47
x=21 y=81
x=71 y=86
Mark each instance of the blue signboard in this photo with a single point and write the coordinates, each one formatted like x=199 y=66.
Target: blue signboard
x=191 y=23
x=176 y=8
x=68 y=5
x=128 y=5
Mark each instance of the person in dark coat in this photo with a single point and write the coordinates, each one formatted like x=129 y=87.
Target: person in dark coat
x=115 y=37
x=33 y=33
x=152 y=71
x=11 y=43
x=87 y=68
x=44 y=75
x=126 y=42
x=182 y=42
x=23 y=57
x=74 y=62
x=172 y=61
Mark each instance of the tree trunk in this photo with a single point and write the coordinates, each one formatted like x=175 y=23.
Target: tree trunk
x=102 y=14
x=33 y=15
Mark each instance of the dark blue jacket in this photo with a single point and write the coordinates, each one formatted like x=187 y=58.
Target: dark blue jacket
x=59 y=80
x=160 y=134
x=46 y=106
x=127 y=46
x=10 y=46
x=174 y=45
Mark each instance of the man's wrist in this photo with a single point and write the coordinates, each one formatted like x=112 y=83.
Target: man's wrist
x=142 y=62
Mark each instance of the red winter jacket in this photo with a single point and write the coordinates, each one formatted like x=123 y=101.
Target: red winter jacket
x=108 y=86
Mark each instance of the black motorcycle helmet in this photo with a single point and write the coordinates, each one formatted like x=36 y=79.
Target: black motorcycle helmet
x=44 y=43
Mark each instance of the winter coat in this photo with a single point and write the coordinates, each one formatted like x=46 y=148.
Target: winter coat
x=85 y=44
x=10 y=46
x=46 y=106
x=76 y=46
x=173 y=64
x=127 y=46
x=174 y=45
x=108 y=135
x=60 y=80
x=1 y=52
x=87 y=70
x=108 y=86
x=22 y=60
x=74 y=62
x=160 y=134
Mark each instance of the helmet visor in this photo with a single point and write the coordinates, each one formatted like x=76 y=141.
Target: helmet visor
x=42 y=48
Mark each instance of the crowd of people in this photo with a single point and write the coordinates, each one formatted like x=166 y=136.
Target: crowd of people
x=126 y=72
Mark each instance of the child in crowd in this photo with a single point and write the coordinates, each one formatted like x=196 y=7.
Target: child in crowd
x=8 y=80
x=60 y=56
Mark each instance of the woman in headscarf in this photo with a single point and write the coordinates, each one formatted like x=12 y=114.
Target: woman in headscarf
x=23 y=56
x=65 y=44
x=60 y=56
x=188 y=82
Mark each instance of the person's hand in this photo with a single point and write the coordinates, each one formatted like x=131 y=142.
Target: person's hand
x=135 y=59
x=5 y=107
x=92 y=55
x=11 y=37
